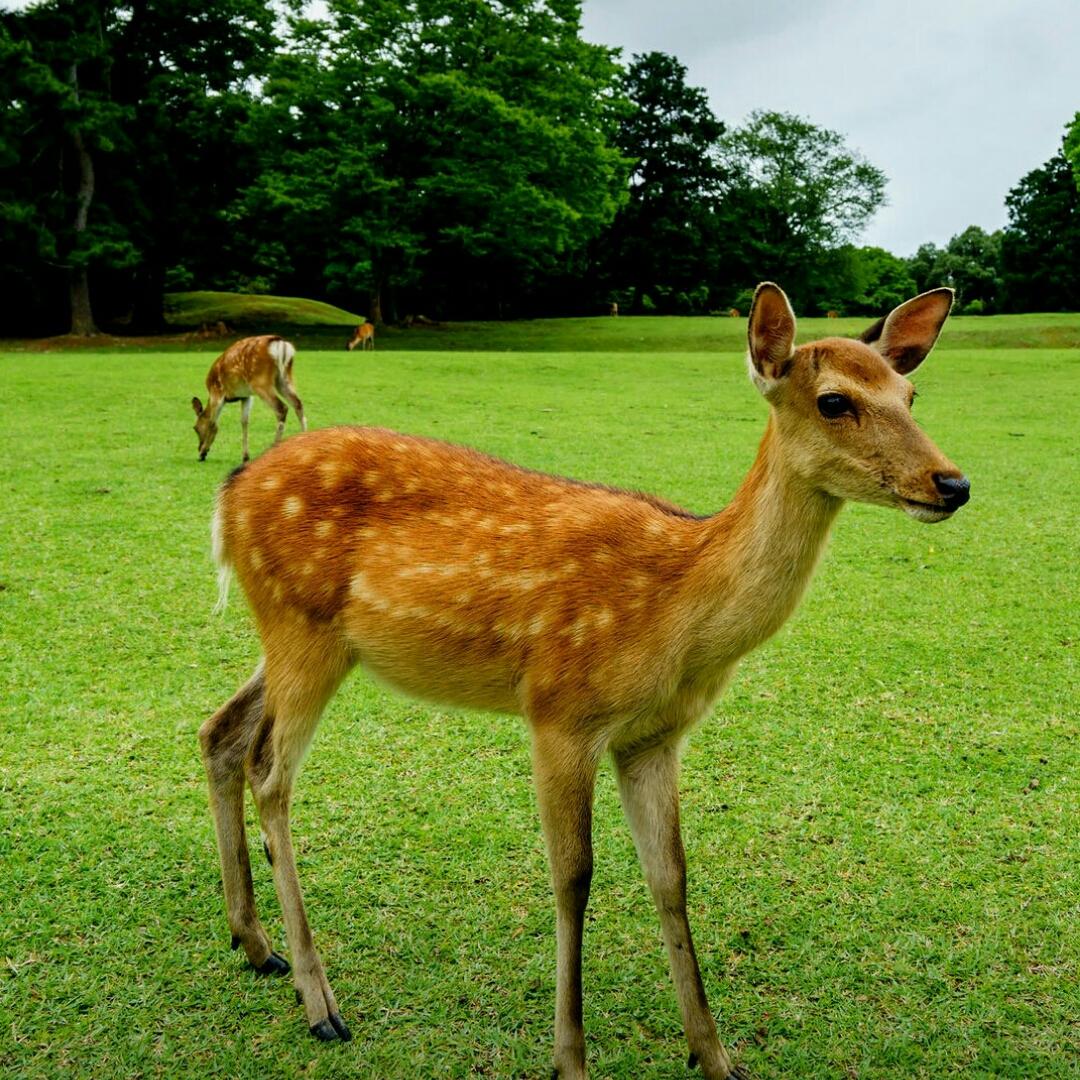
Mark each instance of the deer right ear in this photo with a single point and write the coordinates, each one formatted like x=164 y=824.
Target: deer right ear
x=771 y=333
x=196 y=404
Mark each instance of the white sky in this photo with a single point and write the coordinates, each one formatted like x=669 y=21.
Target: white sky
x=954 y=99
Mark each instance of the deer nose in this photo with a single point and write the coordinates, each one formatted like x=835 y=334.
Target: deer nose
x=954 y=490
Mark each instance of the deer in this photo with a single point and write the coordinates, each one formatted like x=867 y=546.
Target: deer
x=364 y=336
x=260 y=366
x=610 y=620
x=832 y=314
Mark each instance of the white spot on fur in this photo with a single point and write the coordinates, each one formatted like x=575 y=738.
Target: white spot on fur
x=324 y=528
x=270 y=483
x=292 y=506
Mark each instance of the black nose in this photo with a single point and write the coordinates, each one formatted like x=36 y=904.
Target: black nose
x=955 y=490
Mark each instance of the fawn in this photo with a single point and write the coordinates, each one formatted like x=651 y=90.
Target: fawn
x=364 y=336
x=255 y=365
x=610 y=620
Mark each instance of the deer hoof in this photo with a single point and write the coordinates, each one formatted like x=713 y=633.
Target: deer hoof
x=235 y=943
x=344 y=1034
x=274 y=965
x=324 y=1031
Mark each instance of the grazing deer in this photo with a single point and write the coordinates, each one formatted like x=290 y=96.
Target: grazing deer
x=610 y=620
x=256 y=365
x=734 y=313
x=364 y=336
x=832 y=314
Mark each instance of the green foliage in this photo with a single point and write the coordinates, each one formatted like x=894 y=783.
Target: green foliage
x=1072 y=146
x=881 y=281
x=661 y=249
x=1039 y=246
x=877 y=887
x=795 y=193
x=971 y=263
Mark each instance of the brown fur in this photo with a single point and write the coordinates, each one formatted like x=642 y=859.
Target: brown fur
x=610 y=620
x=364 y=336
x=246 y=368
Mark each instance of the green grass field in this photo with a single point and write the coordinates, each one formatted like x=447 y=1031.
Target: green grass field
x=882 y=819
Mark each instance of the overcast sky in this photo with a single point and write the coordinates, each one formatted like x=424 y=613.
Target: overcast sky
x=954 y=99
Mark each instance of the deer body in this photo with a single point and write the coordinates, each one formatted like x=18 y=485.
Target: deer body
x=364 y=336
x=252 y=367
x=610 y=620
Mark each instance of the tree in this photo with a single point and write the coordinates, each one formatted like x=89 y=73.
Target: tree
x=794 y=194
x=118 y=152
x=1038 y=249
x=1072 y=146
x=662 y=243
x=460 y=145
x=60 y=122
x=880 y=282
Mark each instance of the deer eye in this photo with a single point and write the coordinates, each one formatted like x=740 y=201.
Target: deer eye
x=832 y=406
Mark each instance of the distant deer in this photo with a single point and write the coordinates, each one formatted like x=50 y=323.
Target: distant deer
x=734 y=313
x=613 y=309
x=610 y=620
x=832 y=314
x=364 y=336
x=260 y=366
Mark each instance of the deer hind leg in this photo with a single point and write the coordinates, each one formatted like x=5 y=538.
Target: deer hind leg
x=286 y=389
x=279 y=409
x=648 y=784
x=297 y=689
x=224 y=740
x=565 y=776
x=245 y=413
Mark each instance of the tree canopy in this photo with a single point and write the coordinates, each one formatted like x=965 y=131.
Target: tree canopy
x=450 y=157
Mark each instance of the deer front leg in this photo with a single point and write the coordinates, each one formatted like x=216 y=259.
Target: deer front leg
x=648 y=784
x=565 y=775
x=224 y=740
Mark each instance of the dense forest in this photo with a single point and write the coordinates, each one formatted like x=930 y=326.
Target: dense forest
x=456 y=158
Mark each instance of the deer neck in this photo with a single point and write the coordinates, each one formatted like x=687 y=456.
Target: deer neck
x=759 y=554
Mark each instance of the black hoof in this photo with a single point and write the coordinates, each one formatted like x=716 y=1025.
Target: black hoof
x=324 y=1030
x=691 y=1061
x=344 y=1034
x=235 y=943
x=274 y=965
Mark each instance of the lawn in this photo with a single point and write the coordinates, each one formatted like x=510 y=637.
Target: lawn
x=882 y=818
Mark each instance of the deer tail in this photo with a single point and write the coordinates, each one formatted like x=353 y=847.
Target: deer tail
x=220 y=552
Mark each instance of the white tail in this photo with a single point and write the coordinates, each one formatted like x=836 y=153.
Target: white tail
x=610 y=620
x=259 y=366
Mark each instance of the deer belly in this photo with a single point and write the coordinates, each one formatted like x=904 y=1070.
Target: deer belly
x=424 y=658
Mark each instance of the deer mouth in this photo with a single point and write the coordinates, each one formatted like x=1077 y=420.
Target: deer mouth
x=924 y=511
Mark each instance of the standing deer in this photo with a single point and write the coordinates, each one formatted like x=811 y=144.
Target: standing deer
x=610 y=620
x=254 y=365
x=364 y=336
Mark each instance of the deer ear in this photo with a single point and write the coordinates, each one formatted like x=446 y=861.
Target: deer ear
x=771 y=332
x=907 y=334
x=196 y=404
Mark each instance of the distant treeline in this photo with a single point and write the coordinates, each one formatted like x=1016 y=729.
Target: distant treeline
x=452 y=158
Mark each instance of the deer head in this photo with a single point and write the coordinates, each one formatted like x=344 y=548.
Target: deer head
x=842 y=407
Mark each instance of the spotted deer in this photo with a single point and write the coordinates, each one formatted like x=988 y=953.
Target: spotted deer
x=609 y=619
x=364 y=336
x=259 y=366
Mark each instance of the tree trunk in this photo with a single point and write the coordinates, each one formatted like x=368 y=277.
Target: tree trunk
x=375 y=305
x=82 y=316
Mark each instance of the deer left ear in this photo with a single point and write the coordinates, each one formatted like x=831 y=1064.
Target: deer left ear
x=907 y=334
x=196 y=404
x=771 y=332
